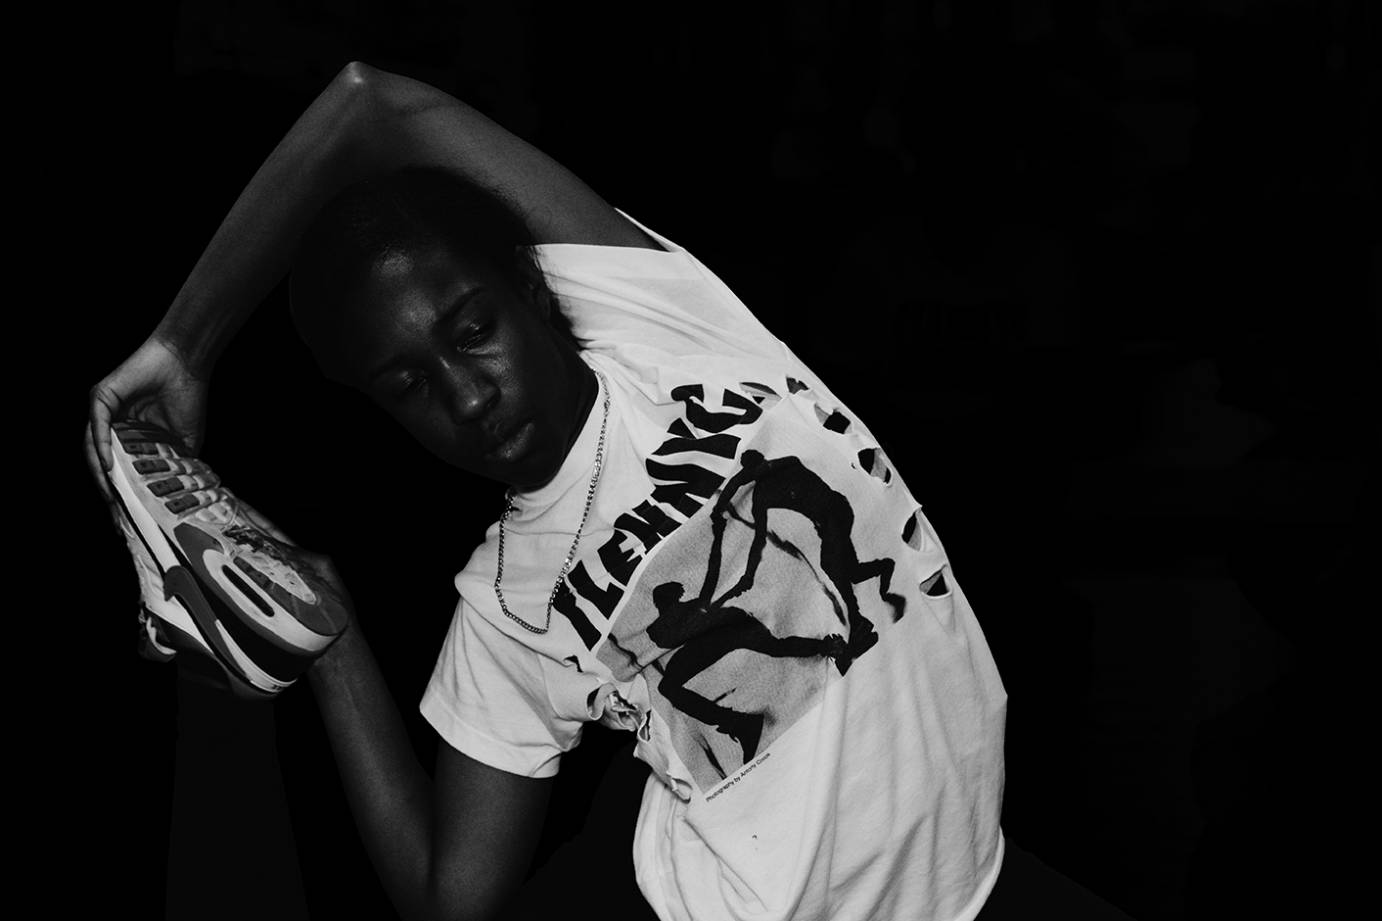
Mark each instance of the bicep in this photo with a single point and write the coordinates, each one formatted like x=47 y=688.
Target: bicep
x=486 y=825
x=428 y=126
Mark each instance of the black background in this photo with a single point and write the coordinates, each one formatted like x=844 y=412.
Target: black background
x=1101 y=276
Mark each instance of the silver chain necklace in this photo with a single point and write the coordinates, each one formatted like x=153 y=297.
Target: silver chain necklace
x=570 y=554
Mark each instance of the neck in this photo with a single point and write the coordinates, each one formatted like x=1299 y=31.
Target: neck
x=584 y=388
x=587 y=389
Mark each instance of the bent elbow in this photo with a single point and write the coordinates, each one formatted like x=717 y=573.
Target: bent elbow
x=360 y=92
x=370 y=89
x=357 y=77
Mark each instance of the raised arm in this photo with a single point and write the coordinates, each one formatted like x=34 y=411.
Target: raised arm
x=367 y=121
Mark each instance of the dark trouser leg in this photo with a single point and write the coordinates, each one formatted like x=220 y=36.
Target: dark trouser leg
x=231 y=852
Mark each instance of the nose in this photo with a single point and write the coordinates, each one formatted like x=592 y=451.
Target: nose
x=469 y=392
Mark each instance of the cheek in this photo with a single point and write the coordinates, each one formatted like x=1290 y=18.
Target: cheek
x=540 y=364
x=431 y=433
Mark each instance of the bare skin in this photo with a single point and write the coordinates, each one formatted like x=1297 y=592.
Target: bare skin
x=454 y=845
x=469 y=366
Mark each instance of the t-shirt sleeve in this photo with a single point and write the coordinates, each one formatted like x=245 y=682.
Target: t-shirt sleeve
x=488 y=698
x=663 y=300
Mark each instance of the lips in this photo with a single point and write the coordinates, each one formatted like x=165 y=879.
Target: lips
x=498 y=434
x=509 y=441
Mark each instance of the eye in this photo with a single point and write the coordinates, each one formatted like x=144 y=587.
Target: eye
x=408 y=385
x=473 y=336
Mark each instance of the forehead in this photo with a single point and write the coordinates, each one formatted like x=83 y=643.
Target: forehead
x=399 y=277
x=395 y=303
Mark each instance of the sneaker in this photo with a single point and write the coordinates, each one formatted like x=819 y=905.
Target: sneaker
x=154 y=641
x=212 y=582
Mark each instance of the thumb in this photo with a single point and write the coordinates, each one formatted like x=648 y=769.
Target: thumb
x=100 y=408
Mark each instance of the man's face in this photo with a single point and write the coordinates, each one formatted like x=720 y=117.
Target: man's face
x=467 y=364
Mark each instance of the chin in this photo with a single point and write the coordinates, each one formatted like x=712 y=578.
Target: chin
x=526 y=473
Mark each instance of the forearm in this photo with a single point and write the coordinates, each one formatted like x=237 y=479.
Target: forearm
x=252 y=248
x=388 y=792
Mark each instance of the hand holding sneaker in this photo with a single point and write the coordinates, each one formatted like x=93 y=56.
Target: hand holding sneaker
x=319 y=566
x=217 y=578
x=155 y=384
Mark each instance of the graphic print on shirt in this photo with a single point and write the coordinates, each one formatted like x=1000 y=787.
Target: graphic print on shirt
x=764 y=596
x=686 y=470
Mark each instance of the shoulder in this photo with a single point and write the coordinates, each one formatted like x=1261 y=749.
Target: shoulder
x=615 y=228
x=636 y=250
x=661 y=301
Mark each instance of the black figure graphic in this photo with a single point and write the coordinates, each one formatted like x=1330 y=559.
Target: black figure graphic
x=704 y=634
x=784 y=482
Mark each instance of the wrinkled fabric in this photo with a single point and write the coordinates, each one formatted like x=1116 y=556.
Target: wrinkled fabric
x=760 y=599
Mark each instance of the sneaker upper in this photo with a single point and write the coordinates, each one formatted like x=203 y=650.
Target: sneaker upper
x=211 y=580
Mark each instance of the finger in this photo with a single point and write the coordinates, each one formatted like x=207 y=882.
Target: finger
x=107 y=493
x=100 y=425
x=157 y=414
x=93 y=463
x=192 y=437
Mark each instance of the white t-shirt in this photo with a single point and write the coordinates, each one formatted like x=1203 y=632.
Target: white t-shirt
x=759 y=598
